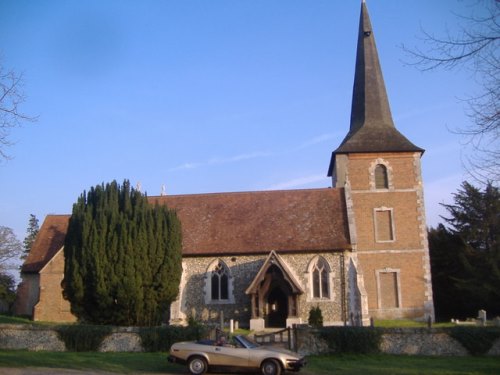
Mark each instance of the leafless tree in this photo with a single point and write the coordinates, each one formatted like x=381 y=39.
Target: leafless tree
x=11 y=97
x=475 y=46
x=10 y=247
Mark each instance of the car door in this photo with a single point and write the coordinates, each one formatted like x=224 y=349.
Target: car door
x=229 y=356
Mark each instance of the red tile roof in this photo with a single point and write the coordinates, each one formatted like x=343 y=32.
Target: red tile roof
x=49 y=241
x=258 y=222
x=235 y=223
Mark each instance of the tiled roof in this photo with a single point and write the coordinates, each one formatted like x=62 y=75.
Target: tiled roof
x=235 y=223
x=49 y=241
x=258 y=222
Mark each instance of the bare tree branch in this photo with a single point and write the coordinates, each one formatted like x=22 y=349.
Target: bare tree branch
x=475 y=46
x=11 y=97
x=10 y=247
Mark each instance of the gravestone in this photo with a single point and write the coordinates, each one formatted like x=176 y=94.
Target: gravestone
x=481 y=316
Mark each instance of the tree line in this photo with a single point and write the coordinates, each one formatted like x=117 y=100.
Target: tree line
x=465 y=255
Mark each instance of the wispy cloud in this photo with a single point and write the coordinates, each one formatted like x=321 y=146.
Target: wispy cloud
x=253 y=155
x=319 y=139
x=219 y=160
x=298 y=182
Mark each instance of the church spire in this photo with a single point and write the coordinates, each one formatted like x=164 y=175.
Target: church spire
x=372 y=127
x=370 y=105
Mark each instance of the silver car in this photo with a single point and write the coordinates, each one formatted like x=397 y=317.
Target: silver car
x=237 y=354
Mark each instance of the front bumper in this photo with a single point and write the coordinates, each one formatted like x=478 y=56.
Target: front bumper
x=295 y=365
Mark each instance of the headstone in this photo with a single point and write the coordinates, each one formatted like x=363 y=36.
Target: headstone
x=481 y=315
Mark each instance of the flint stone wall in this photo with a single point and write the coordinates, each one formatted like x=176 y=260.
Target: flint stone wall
x=126 y=339
x=39 y=338
x=243 y=270
x=404 y=341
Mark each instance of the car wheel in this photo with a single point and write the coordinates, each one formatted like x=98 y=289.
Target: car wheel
x=197 y=365
x=270 y=367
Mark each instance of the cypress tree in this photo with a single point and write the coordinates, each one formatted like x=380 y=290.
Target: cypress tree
x=122 y=257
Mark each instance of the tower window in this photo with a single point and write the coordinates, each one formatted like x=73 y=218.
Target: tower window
x=389 y=288
x=384 y=226
x=381 y=178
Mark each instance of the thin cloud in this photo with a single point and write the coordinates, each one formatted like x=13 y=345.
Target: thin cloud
x=253 y=155
x=319 y=139
x=218 y=160
x=298 y=182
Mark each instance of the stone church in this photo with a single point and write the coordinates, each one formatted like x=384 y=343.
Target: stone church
x=356 y=250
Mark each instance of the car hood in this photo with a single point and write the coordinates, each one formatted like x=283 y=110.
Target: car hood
x=280 y=350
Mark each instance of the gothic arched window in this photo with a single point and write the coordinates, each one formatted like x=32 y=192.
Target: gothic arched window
x=381 y=178
x=220 y=282
x=321 y=279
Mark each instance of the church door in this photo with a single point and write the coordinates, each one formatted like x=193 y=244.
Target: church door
x=277 y=302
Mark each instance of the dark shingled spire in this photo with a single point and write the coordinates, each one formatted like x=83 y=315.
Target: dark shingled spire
x=372 y=128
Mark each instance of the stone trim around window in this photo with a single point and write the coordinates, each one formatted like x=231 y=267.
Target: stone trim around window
x=397 y=272
x=383 y=225
x=329 y=296
x=208 y=284
x=388 y=168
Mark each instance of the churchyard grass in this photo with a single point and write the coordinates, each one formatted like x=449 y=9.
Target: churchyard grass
x=408 y=323
x=6 y=319
x=130 y=363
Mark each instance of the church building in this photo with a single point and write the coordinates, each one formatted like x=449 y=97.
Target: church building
x=357 y=250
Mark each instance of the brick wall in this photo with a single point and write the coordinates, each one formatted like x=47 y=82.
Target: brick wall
x=51 y=305
x=394 y=262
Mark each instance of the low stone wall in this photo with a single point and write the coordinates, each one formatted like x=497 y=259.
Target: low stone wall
x=408 y=341
x=35 y=338
x=404 y=341
x=28 y=337
x=421 y=342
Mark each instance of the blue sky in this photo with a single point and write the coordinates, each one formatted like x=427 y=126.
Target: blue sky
x=212 y=96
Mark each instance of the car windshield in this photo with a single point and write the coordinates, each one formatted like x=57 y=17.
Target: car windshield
x=246 y=342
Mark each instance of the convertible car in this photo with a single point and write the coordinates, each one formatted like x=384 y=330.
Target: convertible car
x=237 y=354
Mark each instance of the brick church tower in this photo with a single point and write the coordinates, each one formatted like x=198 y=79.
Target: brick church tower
x=389 y=269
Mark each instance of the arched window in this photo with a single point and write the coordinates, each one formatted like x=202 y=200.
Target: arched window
x=321 y=279
x=381 y=178
x=220 y=282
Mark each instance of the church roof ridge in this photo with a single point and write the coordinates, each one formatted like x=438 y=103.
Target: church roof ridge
x=243 y=192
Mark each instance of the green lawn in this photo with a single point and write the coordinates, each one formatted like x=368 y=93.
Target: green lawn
x=6 y=319
x=407 y=323
x=129 y=363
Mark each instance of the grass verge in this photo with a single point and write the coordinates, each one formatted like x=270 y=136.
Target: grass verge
x=130 y=363
x=401 y=365
x=7 y=319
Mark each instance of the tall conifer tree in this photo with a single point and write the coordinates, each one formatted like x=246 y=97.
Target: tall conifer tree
x=465 y=254
x=31 y=233
x=122 y=257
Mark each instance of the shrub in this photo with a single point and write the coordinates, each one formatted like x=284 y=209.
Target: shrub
x=360 y=340
x=315 y=317
x=477 y=340
x=82 y=338
x=160 y=339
